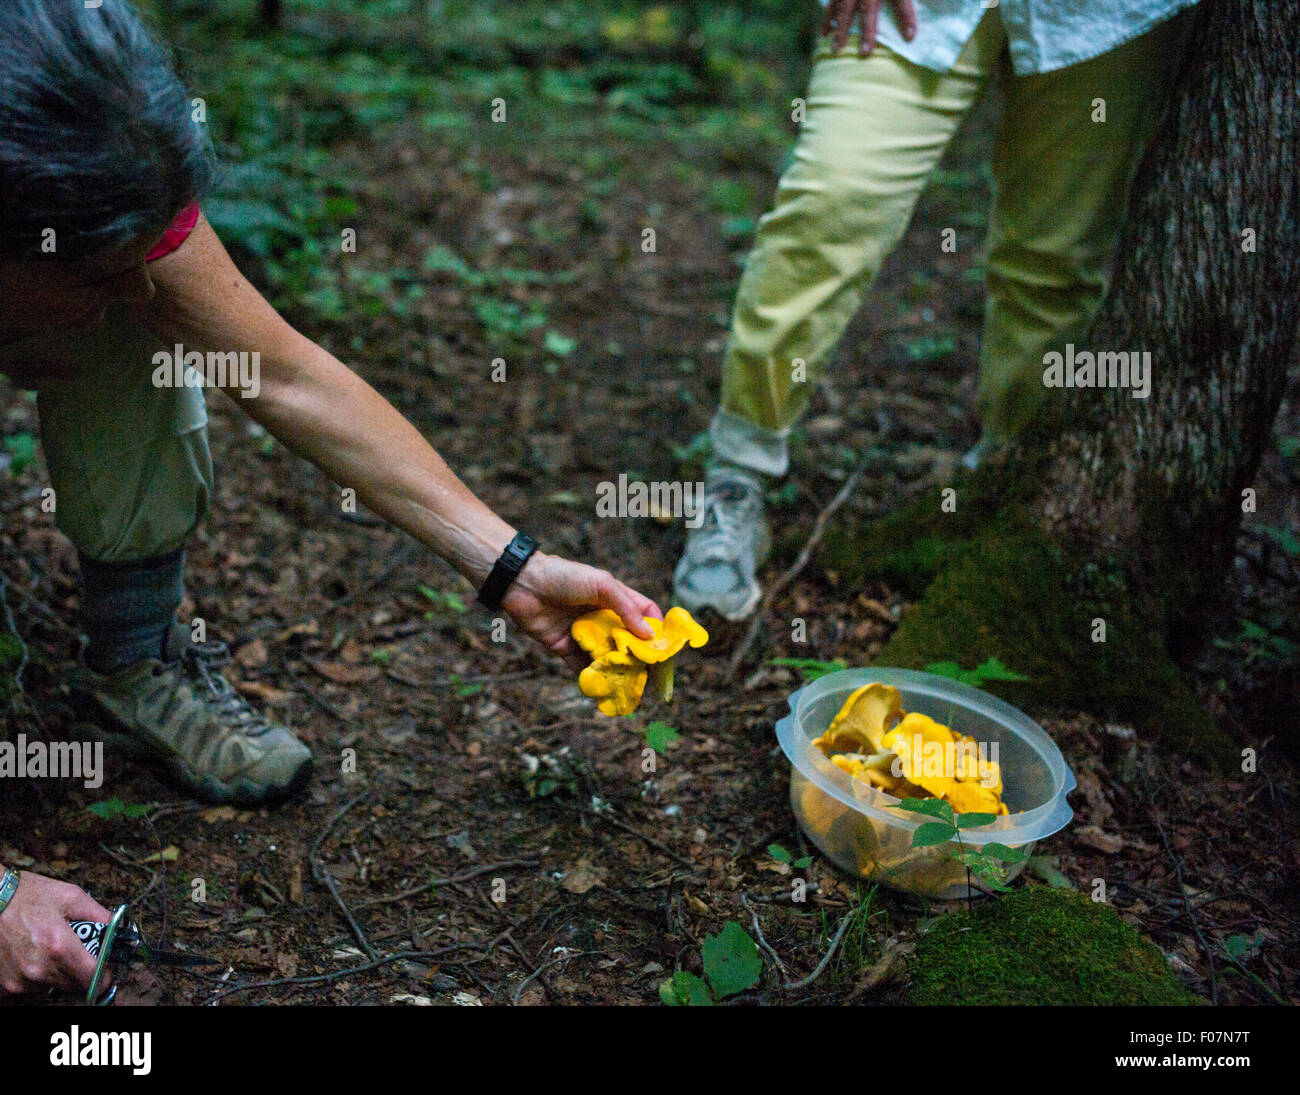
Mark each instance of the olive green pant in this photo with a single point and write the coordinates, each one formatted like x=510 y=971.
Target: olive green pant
x=128 y=461
x=874 y=129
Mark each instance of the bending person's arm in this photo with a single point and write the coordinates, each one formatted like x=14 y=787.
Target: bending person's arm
x=323 y=411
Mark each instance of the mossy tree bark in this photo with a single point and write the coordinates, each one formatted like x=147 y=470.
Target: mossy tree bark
x=1125 y=511
x=1207 y=279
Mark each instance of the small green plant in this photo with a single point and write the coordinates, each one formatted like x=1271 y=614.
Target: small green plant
x=21 y=448
x=1239 y=949
x=659 y=734
x=781 y=855
x=731 y=965
x=811 y=668
x=558 y=344
x=447 y=602
x=929 y=348
x=695 y=453
x=991 y=670
x=988 y=864
x=785 y=495
x=464 y=688
x=113 y=809
x=1283 y=538
x=1258 y=644
x=550 y=774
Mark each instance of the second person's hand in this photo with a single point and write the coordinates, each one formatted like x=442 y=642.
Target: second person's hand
x=37 y=945
x=841 y=15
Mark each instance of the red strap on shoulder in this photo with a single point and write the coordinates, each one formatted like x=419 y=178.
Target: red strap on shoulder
x=177 y=234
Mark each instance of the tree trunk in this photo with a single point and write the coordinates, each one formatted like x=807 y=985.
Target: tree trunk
x=1208 y=280
x=1089 y=559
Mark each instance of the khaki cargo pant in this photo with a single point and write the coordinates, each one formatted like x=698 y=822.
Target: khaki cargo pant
x=874 y=130
x=129 y=462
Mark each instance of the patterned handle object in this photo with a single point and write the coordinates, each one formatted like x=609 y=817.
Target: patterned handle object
x=108 y=943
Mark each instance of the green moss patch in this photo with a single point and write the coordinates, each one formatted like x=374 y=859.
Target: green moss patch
x=1040 y=946
x=1004 y=594
x=990 y=584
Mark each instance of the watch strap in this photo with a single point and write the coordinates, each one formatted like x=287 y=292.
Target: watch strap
x=506 y=569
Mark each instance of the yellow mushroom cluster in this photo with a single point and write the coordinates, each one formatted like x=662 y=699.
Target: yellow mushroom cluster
x=622 y=663
x=909 y=755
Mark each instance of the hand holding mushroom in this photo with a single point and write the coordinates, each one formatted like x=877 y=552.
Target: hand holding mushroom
x=551 y=593
x=622 y=662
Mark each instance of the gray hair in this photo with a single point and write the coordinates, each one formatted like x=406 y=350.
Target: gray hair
x=96 y=136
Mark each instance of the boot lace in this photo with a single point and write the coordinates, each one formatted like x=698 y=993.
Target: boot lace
x=202 y=662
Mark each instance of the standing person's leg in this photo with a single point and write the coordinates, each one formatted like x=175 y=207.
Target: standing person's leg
x=874 y=129
x=132 y=475
x=1062 y=181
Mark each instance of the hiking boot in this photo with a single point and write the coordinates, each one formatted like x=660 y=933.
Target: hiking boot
x=721 y=557
x=183 y=715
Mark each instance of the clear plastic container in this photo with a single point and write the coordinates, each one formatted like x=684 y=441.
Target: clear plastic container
x=859 y=828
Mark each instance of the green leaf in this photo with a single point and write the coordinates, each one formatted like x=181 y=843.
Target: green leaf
x=114 y=808
x=1002 y=852
x=684 y=989
x=22 y=451
x=990 y=670
x=1283 y=538
x=731 y=961
x=785 y=495
x=696 y=450
x=931 y=347
x=658 y=735
x=558 y=344
x=986 y=868
x=450 y=601
x=974 y=820
x=933 y=832
x=1239 y=947
x=811 y=668
x=802 y=862
x=994 y=670
x=930 y=807
x=779 y=854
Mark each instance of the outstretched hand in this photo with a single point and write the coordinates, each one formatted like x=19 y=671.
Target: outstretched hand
x=841 y=15
x=550 y=593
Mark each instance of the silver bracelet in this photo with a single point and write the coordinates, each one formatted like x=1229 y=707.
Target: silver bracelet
x=8 y=887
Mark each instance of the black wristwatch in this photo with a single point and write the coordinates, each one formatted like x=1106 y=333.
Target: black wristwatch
x=507 y=569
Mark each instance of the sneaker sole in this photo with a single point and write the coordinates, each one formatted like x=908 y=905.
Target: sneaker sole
x=207 y=788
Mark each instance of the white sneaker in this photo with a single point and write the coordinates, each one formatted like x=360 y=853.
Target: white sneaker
x=721 y=557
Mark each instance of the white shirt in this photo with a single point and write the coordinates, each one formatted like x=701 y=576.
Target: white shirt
x=1042 y=35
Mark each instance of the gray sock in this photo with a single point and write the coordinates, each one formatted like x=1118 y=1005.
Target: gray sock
x=127 y=608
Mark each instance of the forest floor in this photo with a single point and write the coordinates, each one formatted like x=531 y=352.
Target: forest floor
x=359 y=640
